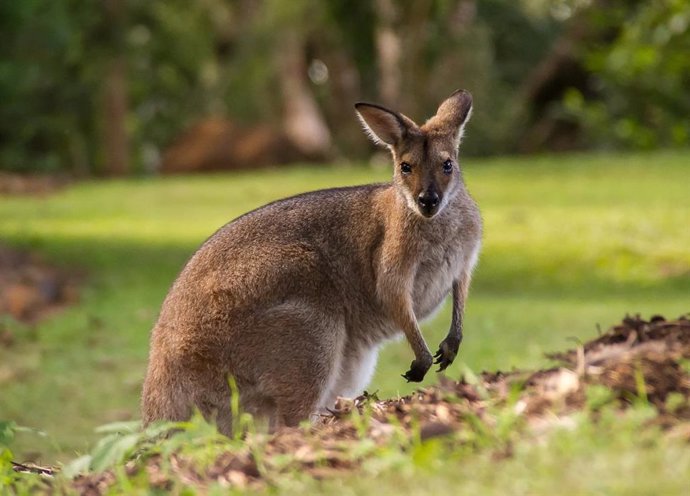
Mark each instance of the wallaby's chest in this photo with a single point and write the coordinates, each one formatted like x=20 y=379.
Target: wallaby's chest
x=439 y=264
x=434 y=279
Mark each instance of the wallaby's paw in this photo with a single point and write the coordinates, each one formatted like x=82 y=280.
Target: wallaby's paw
x=447 y=351
x=417 y=371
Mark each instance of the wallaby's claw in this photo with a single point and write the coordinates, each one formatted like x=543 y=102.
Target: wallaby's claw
x=447 y=351
x=417 y=372
x=412 y=376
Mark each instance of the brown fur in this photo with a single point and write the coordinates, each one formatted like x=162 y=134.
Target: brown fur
x=294 y=299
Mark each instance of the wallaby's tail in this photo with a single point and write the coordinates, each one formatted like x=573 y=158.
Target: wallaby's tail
x=163 y=396
x=173 y=390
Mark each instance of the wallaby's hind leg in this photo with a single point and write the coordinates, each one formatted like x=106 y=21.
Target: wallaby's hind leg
x=213 y=400
x=296 y=379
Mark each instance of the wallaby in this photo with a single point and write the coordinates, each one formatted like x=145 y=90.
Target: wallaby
x=294 y=299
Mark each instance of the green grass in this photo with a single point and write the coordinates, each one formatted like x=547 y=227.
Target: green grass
x=570 y=241
x=598 y=450
x=611 y=458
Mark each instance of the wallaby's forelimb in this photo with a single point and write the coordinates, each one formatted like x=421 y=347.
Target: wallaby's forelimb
x=399 y=303
x=395 y=289
x=448 y=349
x=423 y=360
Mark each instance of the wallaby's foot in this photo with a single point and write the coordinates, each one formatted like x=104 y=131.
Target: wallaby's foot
x=418 y=370
x=447 y=351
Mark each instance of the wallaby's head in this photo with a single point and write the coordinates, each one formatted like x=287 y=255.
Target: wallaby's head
x=427 y=172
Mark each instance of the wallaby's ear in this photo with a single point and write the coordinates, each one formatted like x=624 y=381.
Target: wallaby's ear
x=382 y=125
x=453 y=114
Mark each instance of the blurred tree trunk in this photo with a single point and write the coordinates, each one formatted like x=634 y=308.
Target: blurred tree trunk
x=303 y=123
x=346 y=89
x=115 y=138
x=388 y=48
x=415 y=63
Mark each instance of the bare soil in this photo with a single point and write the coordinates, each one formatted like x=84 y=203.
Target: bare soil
x=31 y=289
x=31 y=184
x=636 y=359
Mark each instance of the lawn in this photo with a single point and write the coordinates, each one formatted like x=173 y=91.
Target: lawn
x=570 y=241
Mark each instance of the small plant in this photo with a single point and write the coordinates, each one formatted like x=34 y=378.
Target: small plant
x=9 y=477
x=120 y=442
x=7 y=432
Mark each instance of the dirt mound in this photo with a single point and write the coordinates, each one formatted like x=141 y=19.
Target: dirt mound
x=31 y=184
x=636 y=349
x=30 y=288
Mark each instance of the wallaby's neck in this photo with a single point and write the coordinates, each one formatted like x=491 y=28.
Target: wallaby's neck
x=406 y=232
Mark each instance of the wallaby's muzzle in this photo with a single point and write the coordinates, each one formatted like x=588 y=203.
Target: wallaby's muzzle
x=429 y=202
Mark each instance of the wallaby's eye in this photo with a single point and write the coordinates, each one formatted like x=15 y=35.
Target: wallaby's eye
x=405 y=168
x=448 y=166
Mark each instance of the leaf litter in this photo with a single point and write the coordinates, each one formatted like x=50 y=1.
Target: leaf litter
x=636 y=360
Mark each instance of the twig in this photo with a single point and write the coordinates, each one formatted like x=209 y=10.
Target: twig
x=27 y=469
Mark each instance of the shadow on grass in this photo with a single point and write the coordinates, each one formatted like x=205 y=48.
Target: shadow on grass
x=113 y=262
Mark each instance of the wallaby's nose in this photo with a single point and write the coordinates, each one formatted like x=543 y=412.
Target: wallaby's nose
x=428 y=201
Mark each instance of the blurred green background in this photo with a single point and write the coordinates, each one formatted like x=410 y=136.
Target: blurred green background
x=577 y=154
x=136 y=86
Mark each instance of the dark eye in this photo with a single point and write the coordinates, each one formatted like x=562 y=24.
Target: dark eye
x=448 y=166
x=405 y=168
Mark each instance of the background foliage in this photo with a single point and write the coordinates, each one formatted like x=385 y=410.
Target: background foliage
x=545 y=74
x=640 y=77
